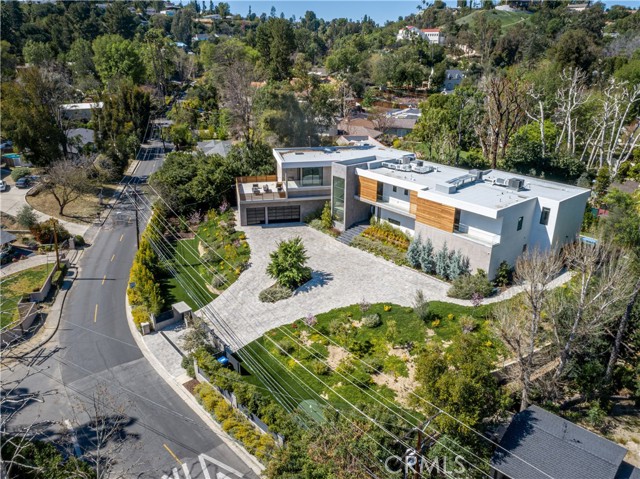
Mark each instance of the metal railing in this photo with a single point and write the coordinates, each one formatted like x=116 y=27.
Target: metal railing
x=476 y=234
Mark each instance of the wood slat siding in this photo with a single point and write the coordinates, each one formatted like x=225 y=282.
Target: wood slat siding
x=368 y=189
x=413 y=202
x=435 y=214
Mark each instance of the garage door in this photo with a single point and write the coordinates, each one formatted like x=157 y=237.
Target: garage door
x=255 y=216
x=284 y=214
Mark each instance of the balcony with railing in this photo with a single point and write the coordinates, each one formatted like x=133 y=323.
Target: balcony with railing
x=477 y=235
x=297 y=189
x=260 y=188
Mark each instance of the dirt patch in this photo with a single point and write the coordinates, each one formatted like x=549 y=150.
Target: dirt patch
x=83 y=210
x=336 y=355
x=191 y=385
x=304 y=339
x=400 y=385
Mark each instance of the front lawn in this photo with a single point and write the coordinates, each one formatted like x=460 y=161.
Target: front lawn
x=15 y=286
x=209 y=263
x=386 y=337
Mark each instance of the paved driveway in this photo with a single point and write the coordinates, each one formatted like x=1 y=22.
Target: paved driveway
x=342 y=275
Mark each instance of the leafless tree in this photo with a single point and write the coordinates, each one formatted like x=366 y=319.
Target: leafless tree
x=571 y=95
x=238 y=93
x=615 y=133
x=68 y=180
x=587 y=306
x=504 y=113
x=520 y=326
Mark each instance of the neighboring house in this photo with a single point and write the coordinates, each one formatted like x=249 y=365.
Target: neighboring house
x=200 y=37
x=215 y=147
x=79 y=137
x=6 y=239
x=357 y=140
x=80 y=111
x=402 y=121
x=452 y=78
x=490 y=216
x=578 y=7
x=432 y=35
x=538 y=445
x=358 y=126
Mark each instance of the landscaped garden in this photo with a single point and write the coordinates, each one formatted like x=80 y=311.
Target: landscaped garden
x=361 y=349
x=15 y=286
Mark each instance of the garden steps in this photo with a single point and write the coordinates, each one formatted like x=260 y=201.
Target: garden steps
x=349 y=234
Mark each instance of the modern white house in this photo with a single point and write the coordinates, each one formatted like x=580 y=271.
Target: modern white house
x=80 y=111
x=432 y=35
x=490 y=216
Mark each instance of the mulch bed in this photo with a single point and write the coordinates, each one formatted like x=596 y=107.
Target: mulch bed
x=191 y=385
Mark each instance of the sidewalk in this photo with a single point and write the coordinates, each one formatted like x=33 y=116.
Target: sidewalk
x=30 y=262
x=167 y=363
x=47 y=330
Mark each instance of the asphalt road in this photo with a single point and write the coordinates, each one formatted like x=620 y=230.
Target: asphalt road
x=94 y=351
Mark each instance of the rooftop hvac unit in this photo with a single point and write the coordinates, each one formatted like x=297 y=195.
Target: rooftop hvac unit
x=404 y=167
x=499 y=182
x=406 y=159
x=477 y=174
x=515 y=184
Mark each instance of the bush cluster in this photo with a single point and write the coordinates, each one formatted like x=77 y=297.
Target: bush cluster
x=385 y=232
x=388 y=252
x=234 y=423
x=448 y=264
x=274 y=293
x=371 y=320
x=20 y=172
x=467 y=285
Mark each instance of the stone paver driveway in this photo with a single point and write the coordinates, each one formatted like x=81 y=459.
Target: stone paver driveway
x=342 y=275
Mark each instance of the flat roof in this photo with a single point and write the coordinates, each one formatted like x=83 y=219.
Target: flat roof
x=292 y=157
x=485 y=193
x=82 y=106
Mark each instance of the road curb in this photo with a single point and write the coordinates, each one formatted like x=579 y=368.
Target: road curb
x=233 y=444
x=52 y=328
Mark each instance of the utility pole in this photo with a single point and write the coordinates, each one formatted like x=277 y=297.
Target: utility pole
x=55 y=241
x=135 y=207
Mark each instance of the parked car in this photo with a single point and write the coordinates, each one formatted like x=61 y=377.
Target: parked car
x=3 y=185
x=24 y=182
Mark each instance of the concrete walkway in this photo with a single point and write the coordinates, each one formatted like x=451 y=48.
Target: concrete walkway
x=342 y=276
x=30 y=262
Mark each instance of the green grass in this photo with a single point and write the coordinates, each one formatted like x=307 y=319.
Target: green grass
x=506 y=19
x=188 y=268
x=338 y=325
x=226 y=256
x=15 y=286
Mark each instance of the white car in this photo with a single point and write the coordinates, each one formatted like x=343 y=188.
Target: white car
x=3 y=185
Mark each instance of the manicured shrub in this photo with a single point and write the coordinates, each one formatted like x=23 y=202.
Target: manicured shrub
x=371 y=320
x=466 y=285
x=386 y=251
x=285 y=347
x=187 y=365
x=385 y=232
x=79 y=241
x=20 y=172
x=274 y=293
x=441 y=260
x=288 y=264
x=326 y=218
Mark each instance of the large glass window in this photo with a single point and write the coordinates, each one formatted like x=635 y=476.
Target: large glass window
x=311 y=176
x=337 y=209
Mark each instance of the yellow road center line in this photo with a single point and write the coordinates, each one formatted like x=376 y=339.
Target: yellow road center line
x=113 y=257
x=172 y=454
x=104 y=278
x=95 y=314
x=121 y=236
